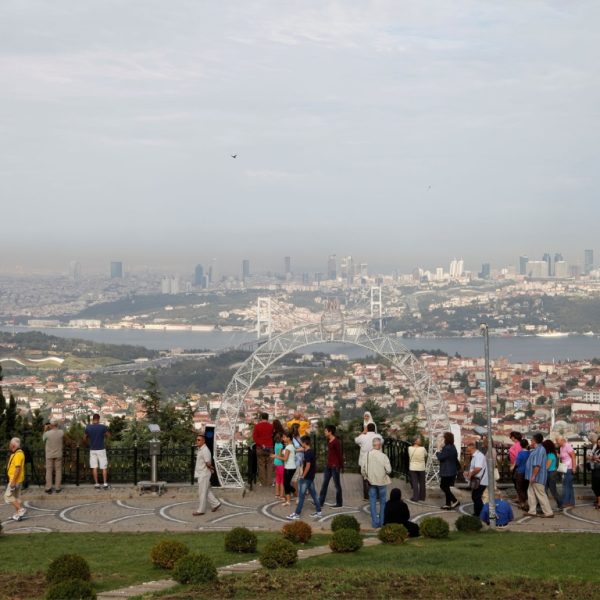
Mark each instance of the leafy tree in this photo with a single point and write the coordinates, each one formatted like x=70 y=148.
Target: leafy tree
x=540 y=400
x=11 y=417
x=152 y=400
x=116 y=426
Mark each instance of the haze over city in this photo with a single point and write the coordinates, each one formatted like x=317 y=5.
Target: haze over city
x=402 y=133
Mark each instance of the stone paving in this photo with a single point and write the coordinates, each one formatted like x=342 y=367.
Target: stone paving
x=123 y=509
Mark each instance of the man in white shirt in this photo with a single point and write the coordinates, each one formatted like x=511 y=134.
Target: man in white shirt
x=377 y=470
x=203 y=472
x=365 y=441
x=477 y=476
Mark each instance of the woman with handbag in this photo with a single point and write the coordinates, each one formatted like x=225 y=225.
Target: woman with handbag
x=567 y=467
x=552 y=466
x=417 y=457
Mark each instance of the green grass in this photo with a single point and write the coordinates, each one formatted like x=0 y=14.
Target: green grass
x=116 y=559
x=486 y=554
x=493 y=565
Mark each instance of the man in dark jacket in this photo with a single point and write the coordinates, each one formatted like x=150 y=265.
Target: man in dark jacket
x=333 y=467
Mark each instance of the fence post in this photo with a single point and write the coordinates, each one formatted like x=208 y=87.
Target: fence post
x=77 y=466
x=135 y=463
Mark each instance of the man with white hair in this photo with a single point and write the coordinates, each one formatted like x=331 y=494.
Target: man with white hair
x=15 y=472
x=376 y=470
x=53 y=440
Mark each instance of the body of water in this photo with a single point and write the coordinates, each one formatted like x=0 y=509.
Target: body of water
x=516 y=349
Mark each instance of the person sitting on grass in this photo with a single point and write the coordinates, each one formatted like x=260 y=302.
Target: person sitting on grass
x=397 y=511
x=504 y=512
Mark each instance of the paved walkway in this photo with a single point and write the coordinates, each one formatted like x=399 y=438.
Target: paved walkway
x=123 y=509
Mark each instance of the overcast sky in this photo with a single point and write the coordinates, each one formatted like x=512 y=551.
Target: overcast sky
x=401 y=132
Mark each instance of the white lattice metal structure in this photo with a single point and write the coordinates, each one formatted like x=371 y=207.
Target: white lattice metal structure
x=331 y=329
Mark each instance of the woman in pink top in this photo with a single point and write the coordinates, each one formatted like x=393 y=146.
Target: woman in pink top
x=567 y=459
x=513 y=451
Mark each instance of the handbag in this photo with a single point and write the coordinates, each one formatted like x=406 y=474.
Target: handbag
x=562 y=468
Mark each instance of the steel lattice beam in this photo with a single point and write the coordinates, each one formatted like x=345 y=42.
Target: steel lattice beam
x=387 y=347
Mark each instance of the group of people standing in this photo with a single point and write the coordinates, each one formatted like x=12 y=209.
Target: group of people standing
x=536 y=465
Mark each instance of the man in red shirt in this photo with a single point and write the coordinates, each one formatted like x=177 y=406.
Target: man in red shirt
x=335 y=462
x=263 y=438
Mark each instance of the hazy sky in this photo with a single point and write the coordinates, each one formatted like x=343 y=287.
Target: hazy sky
x=402 y=132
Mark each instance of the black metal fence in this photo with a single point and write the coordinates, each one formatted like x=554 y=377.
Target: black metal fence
x=176 y=464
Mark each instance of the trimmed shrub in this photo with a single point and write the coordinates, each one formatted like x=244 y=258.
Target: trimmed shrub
x=434 y=527
x=298 y=532
x=346 y=540
x=166 y=553
x=394 y=533
x=344 y=522
x=468 y=523
x=240 y=539
x=194 y=568
x=67 y=567
x=73 y=589
x=278 y=553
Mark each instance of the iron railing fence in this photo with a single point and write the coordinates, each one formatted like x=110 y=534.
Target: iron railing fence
x=176 y=463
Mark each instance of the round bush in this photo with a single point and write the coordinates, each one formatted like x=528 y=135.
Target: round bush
x=278 y=553
x=194 y=568
x=394 y=533
x=298 y=532
x=346 y=540
x=66 y=567
x=166 y=553
x=240 y=539
x=73 y=589
x=434 y=527
x=468 y=523
x=344 y=522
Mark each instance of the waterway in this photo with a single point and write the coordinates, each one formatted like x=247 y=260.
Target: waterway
x=516 y=349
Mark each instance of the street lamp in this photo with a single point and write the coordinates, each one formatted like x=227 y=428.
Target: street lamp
x=490 y=450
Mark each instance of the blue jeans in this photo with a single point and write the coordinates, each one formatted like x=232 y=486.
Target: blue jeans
x=303 y=486
x=375 y=492
x=328 y=473
x=568 y=492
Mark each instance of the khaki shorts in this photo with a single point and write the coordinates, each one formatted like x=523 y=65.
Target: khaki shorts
x=11 y=496
x=98 y=459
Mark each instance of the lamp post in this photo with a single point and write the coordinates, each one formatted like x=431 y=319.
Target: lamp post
x=490 y=450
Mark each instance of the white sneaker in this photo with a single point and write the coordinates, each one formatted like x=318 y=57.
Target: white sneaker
x=22 y=512
x=293 y=517
x=316 y=515
x=17 y=517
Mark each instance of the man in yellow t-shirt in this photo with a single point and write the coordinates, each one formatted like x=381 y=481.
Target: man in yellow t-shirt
x=15 y=471
x=303 y=424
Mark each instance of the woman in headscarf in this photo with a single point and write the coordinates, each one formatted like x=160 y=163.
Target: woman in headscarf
x=396 y=511
x=368 y=418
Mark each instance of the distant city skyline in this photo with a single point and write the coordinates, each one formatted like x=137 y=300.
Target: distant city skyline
x=401 y=133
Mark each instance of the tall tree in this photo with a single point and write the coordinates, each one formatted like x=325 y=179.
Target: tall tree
x=152 y=400
x=11 y=417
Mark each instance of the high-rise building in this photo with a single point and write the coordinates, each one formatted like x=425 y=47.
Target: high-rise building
x=170 y=285
x=537 y=269
x=364 y=270
x=116 y=270
x=75 y=270
x=245 y=269
x=588 y=261
x=561 y=269
x=347 y=268
x=332 y=267
x=523 y=260
x=486 y=271
x=287 y=265
x=305 y=279
x=439 y=273
x=548 y=260
x=456 y=268
x=199 y=280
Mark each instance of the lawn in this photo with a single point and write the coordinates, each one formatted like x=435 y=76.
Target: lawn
x=494 y=565
x=116 y=559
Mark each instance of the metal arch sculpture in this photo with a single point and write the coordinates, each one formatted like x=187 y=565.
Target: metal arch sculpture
x=327 y=331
